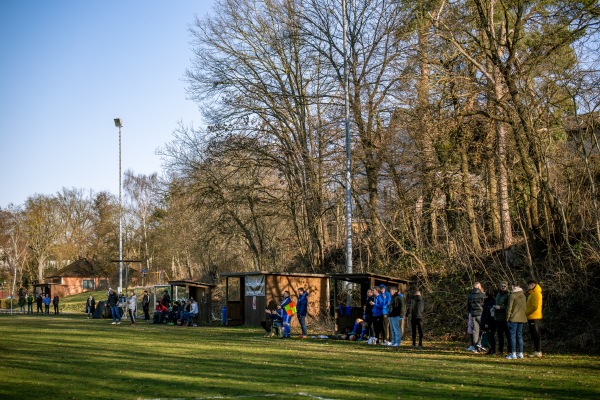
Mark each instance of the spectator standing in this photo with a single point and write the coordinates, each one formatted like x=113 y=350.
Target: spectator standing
x=500 y=316
x=416 y=310
x=113 y=302
x=21 y=304
x=29 y=303
x=55 y=301
x=47 y=301
x=39 y=300
x=475 y=309
x=166 y=299
x=302 y=310
x=533 y=311
x=386 y=301
x=488 y=322
x=516 y=317
x=377 y=316
x=368 y=313
x=146 y=305
x=90 y=306
x=397 y=312
x=132 y=306
x=287 y=318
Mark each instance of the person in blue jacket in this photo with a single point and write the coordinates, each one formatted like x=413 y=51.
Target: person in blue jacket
x=302 y=310
x=287 y=319
x=386 y=300
x=378 y=302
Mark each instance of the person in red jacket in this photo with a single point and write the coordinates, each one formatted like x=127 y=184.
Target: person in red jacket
x=160 y=313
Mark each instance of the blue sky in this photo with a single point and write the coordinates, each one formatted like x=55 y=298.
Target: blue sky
x=68 y=68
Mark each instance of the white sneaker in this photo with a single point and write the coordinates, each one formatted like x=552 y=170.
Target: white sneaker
x=113 y=323
x=512 y=356
x=470 y=348
x=119 y=323
x=395 y=345
x=520 y=355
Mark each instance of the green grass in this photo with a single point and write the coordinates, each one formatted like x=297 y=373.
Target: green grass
x=71 y=357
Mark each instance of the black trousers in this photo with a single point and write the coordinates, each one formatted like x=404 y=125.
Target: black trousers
x=502 y=331
x=416 y=325
x=535 y=329
x=146 y=312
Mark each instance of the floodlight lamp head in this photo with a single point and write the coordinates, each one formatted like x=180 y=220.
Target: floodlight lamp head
x=118 y=123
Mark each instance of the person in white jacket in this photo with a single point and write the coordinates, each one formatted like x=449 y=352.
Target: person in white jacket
x=190 y=314
x=132 y=306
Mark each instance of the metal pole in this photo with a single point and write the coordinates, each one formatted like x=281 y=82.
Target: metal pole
x=120 y=220
x=348 y=152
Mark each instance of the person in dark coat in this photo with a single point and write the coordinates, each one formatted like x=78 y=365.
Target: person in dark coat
x=302 y=310
x=488 y=323
x=475 y=309
x=39 y=300
x=500 y=316
x=397 y=312
x=166 y=299
x=113 y=302
x=416 y=310
x=55 y=303
x=90 y=306
x=146 y=305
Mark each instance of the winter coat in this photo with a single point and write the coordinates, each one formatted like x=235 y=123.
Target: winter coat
x=113 y=299
x=91 y=303
x=502 y=301
x=47 y=301
x=387 y=299
x=487 y=320
x=398 y=306
x=417 y=307
x=55 y=300
x=533 y=309
x=302 y=305
x=475 y=302
x=132 y=302
x=378 y=306
x=516 y=306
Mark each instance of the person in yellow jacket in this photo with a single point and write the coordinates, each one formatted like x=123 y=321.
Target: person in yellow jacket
x=533 y=310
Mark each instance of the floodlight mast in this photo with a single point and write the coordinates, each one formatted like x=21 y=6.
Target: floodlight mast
x=119 y=124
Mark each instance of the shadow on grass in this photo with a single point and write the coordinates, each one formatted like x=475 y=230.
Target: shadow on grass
x=71 y=357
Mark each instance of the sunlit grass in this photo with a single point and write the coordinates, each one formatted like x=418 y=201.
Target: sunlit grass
x=69 y=356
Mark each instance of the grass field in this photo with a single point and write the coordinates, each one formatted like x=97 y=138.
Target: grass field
x=71 y=357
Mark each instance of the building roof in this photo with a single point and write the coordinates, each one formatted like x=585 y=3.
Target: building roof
x=363 y=276
x=80 y=268
x=234 y=274
x=184 y=282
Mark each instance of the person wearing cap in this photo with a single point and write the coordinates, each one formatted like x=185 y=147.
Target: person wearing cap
x=386 y=301
x=500 y=316
x=533 y=311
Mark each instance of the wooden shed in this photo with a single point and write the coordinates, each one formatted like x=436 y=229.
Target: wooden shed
x=248 y=294
x=201 y=292
x=345 y=308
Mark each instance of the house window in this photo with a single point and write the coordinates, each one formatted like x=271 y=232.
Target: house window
x=88 y=284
